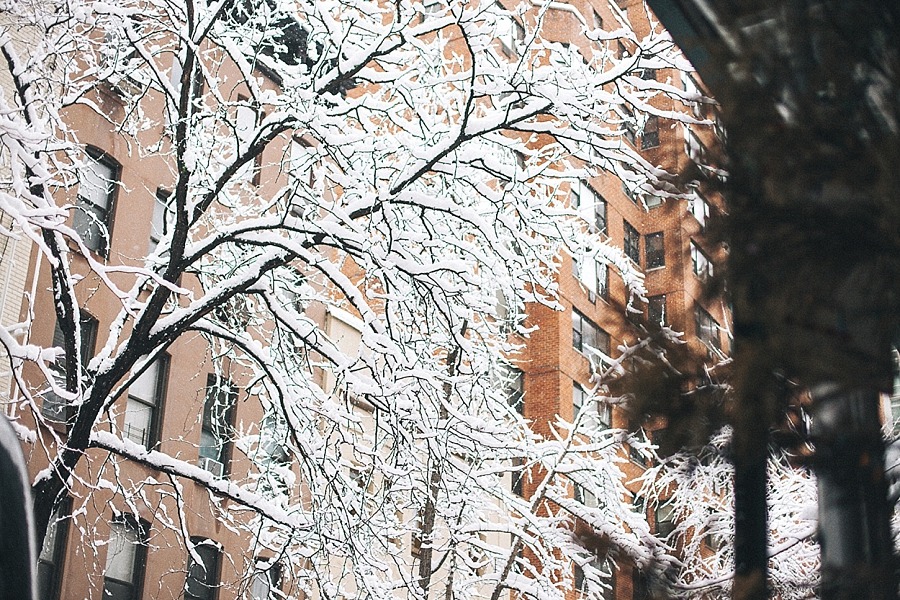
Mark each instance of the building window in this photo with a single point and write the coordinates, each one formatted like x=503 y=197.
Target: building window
x=665 y=520
x=695 y=149
x=629 y=125
x=98 y=177
x=216 y=434
x=593 y=276
x=509 y=32
x=266 y=579
x=586 y=334
x=602 y=280
x=656 y=310
x=655 y=250
x=650 y=137
x=145 y=399
x=162 y=219
x=590 y=204
x=514 y=386
x=54 y=407
x=518 y=477
x=707 y=328
x=703 y=267
x=126 y=556
x=579 y=397
x=202 y=580
x=53 y=552
x=632 y=243
x=599 y=214
x=699 y=207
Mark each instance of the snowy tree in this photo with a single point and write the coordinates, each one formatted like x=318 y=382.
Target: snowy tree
x=401 y=166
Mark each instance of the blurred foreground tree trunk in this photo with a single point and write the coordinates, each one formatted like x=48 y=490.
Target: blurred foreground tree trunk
x=811 y=103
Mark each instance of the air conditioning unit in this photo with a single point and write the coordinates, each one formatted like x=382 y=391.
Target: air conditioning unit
x=211 y=465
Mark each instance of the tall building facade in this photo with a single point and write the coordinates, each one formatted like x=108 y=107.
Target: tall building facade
x=186 y=401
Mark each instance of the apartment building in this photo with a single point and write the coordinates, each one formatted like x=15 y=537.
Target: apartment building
x=666 y=241
x=185 y=400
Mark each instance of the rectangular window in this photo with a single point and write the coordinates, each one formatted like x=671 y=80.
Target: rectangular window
x=632 y=243
x=202 y=580
x=586 y=334
x=703 y=267
x=599 y=214
x=126 y=555
x=54 y=407
x=97 y=176
x=665 y=520
x=650 y=137
x=655 y=250
x=586 y=497
x=145 y=398
x=53 y=552
x=218 y=417
x=266 y=579
x=707 y=328
x=509 y=32
x=699 y=207
x=163 y=218
x=514 y=384
x=518 y=476
x=579 y=397
x=590 y=205
x=603 y=280
x=656 y=310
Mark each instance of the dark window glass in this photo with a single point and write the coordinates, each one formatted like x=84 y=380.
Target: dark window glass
x=202 y=580
x=163 y=218
x=514 y=382
x=603 y=280
x=216 y=434
x=518 y=476
x=585 y=333
x=650 y=137
x=98 y=177
x=655 y=249
x=599 y=214
x=703 y=267
x=53 y=551
x=656 y=309
x=126 y=555
x=266 y=580
x=145 y=399
x=707 y=328
x=632 y=243
x=54 y=407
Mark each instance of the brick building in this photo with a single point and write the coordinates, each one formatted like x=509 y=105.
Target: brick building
x=182 y=399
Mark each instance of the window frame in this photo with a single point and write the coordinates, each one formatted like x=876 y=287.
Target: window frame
x=654 y=256
x=90 y=328
x=707 y=328
x=579 y=340
x=224 y=442
x=202 y=545
x=161 y=212
x=151 y=436
x=139 y=560
x=102 y=246
x=650 y=132
x=701 y=264
x=657 y=315
x=631 y=243
x=59 y=525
